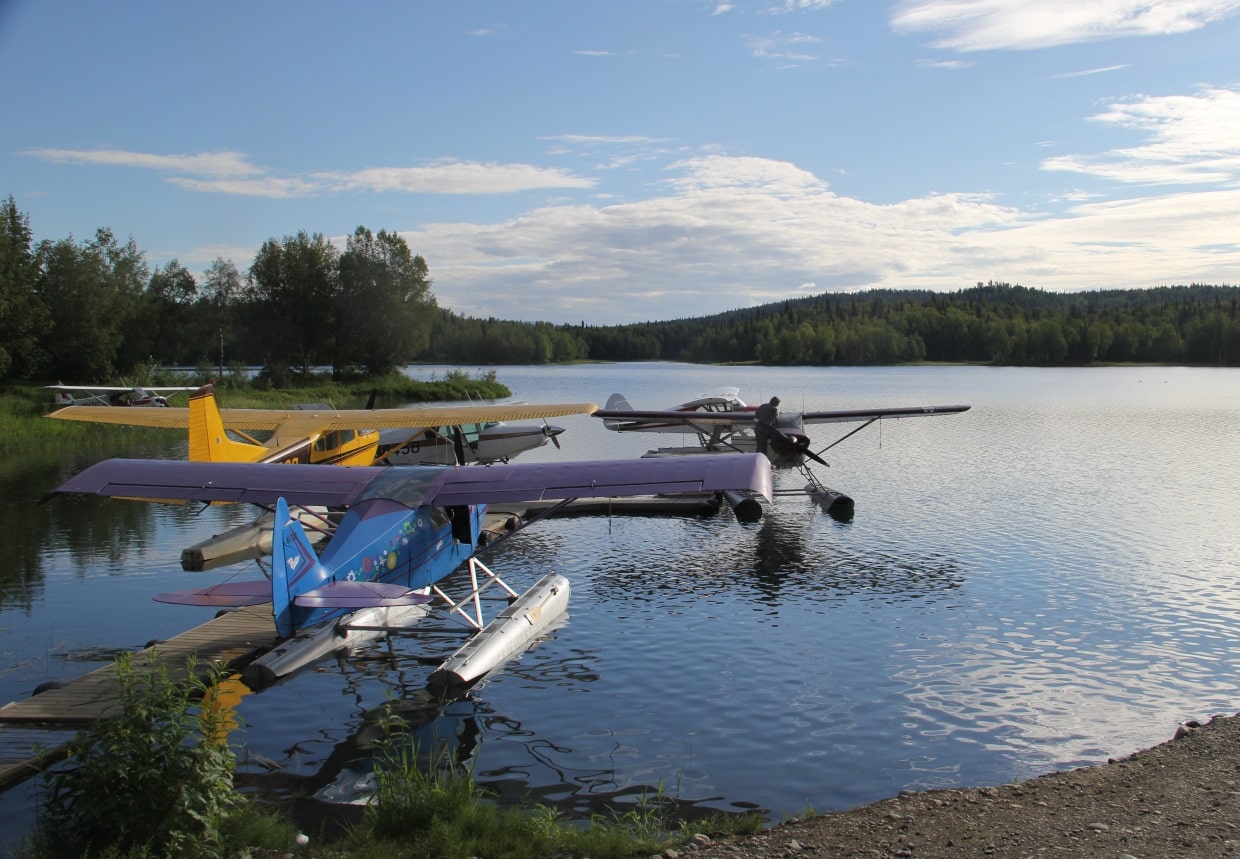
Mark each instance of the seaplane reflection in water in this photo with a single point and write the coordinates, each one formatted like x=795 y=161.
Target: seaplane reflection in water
x=114 y=395
x=723 y=423
x=402 y=531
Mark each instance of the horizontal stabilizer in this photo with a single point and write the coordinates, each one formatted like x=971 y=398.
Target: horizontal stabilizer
x=353 y=594
x=225 y=595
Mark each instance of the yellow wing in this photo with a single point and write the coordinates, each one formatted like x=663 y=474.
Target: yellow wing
x=308 y=422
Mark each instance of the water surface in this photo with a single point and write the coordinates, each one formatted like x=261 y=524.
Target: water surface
x=1042 y=582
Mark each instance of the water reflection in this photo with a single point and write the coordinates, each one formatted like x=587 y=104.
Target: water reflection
x=1042 y=582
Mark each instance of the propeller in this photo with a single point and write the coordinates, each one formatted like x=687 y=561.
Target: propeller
x=552 y=433
x=794 y=443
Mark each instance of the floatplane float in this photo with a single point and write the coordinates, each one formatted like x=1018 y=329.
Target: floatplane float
x=402 y=532
x=723 y=423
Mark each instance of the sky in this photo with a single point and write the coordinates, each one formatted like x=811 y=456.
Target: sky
x=617 y=161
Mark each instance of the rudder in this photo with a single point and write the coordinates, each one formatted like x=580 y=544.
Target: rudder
x=295 y=567
x=208 y=440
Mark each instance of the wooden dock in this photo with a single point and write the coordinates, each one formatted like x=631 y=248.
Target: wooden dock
x=35 y=731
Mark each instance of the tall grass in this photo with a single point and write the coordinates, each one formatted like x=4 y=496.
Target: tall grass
x=154 y=779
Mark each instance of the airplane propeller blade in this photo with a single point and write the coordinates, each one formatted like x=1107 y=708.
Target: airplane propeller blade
x=816 y=458
x=458 y=445
x=552 y=433
x=800 y=444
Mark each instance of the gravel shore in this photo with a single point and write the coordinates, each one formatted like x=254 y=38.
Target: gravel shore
x=1178 y=800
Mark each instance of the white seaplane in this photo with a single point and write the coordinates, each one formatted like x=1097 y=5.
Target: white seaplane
x=723 y=423
x=484 y=442
x=114 y=395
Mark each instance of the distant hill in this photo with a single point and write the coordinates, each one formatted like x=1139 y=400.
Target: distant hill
x=991 y=323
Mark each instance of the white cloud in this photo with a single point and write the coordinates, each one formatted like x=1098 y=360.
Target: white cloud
x=736 y=232
x=200 y=164
x=976 y=25
x=270 y=186
x=943 y=64
x=1088 y=72
x=1191 y=139
x=788 y=49
x=455 y=177
x=231 y=173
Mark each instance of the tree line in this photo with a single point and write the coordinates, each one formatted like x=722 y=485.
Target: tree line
x=991 y=323
x=92 y=311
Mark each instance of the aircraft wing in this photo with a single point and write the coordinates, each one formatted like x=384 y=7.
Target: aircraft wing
x=859 y=415
x=307 y=422
x=335 y=485
x=623 y=420
x=161 y=390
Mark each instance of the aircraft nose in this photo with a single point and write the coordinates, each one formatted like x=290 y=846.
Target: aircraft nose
x=553 y=432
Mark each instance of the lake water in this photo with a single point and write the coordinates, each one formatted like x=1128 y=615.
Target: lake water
x=1045 y=581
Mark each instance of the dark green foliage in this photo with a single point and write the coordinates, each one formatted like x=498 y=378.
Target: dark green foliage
x=990 y=323
x=384 y=307
x=290 y=300
x=23 y=315
x=459 y=339
x=91 y=291
x=156 y=778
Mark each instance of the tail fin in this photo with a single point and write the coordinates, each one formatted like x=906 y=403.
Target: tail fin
x=295 y=568
x=617 y=402
x=208 y=442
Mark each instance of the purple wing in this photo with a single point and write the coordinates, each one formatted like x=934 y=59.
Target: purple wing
x=338 y=485
x=256 y=483
x=538 y=481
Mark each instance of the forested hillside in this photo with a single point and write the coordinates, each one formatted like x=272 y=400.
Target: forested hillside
x=988 y=323
x=91 y=311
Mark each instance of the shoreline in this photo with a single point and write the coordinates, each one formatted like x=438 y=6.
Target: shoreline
x=1180 y=798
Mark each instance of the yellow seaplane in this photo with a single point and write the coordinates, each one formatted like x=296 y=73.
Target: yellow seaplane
x=318 y=434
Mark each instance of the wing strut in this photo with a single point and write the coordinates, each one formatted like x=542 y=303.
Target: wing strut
x=844 y=436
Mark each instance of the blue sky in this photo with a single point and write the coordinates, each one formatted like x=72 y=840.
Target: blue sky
x=634 y=160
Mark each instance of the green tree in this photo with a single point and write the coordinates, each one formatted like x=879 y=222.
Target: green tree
x=23 y=316
x=163 y=317
x=384 y=307
x=90 y=291
x=220 y=293
x=291 y=297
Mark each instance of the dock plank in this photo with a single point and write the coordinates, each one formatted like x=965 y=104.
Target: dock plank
x=34 y=731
